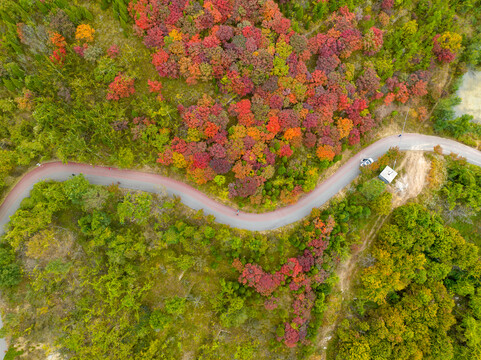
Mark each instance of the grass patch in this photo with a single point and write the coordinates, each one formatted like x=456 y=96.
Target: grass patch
x=470 y=230
x=12 y=353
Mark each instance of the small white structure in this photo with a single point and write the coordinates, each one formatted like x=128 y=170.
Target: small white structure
x=387 y=175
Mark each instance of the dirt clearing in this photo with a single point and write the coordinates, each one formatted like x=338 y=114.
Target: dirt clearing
x=414 y=169
x=470 y=95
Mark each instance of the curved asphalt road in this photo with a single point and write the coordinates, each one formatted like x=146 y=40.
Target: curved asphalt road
x=223 y=214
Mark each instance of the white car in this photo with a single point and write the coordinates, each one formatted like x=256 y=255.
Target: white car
x=365 y=162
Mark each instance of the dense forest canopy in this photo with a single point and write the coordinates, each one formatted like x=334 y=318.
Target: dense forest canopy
x=250 y=101
x=232 y=94
x=103 y=268
x=85 y=268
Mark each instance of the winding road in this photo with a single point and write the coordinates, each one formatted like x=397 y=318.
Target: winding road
x=196 y=200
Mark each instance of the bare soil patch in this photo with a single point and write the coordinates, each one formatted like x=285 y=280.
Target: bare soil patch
x=414 y=169
x=393 y=128
x=470 y=95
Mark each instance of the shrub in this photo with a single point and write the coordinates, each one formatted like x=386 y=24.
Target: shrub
x=372 y=189
x=121 y=87
x=159 y=320
x=175 y=306
x=106 y=70
x=10 y=273
x=92 y=53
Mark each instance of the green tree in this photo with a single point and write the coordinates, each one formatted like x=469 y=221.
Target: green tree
x=10 y=273
x=372 y=189
x=135 y=208
x=219 y=180
x=382 y=204
x=75 y=188
x=159 y=320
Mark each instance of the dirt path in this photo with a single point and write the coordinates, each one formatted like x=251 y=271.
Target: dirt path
x=415 y=168
x=342 y=290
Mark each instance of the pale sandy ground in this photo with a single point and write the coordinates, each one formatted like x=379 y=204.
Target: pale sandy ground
x=410 y=184
x=470 y=93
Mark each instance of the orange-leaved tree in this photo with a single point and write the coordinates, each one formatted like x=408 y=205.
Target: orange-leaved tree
x=344 y=126
x=85 y=32
x=57 y=40
x=325 y=152
x=273 y=126
x=292 y=133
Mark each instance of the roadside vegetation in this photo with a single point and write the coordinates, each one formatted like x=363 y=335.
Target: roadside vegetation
x=236 y=99
x=86 y=267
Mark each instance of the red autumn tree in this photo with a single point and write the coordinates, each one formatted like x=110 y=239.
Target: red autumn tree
x=240 y=170
x=243 y=111
x=422 y=113
x=58 y=40
x=264 y=283
x=201 y=160
x=306 y=261
x=211 y=129
x=402 y=94
x=373 y=41
x=354 y=137
x=419 y=89
x=154 y=86
x=446 y=45
x=291 y=336
x=271 y=303
x=273 y=126
x=121 y=87
x=113 y=51
x=389 y=98
x=59 y=54
x=387 y=4
x=285 y=151
x=220 y=166
x=291 y=268
x=368 y=82
x=310 y=140
x=244 y=187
